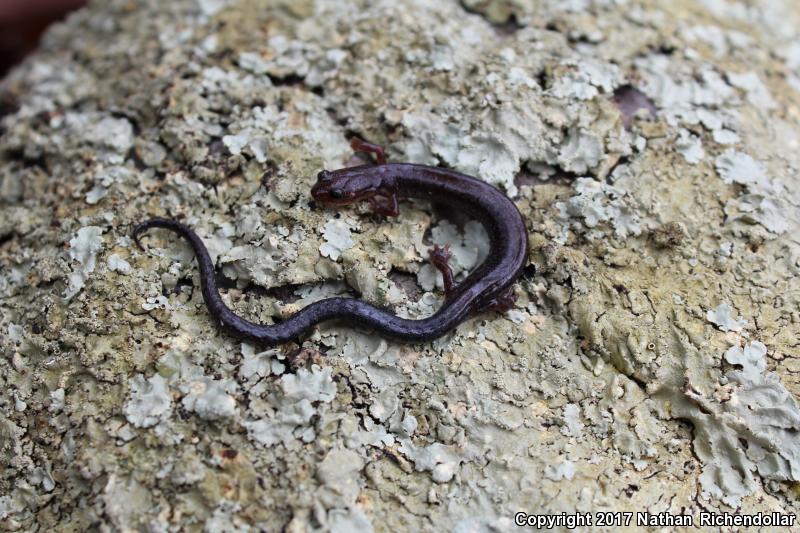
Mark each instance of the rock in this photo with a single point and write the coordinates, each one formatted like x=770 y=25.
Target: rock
x=651 y=349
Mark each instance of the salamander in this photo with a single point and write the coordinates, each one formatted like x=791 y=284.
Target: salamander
x=383 y=185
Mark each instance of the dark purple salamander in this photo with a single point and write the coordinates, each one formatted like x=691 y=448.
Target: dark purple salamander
x=488 y=287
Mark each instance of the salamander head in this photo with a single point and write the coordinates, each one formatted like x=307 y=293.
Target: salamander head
x=348 y=185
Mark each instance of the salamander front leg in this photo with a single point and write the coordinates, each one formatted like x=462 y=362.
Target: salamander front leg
x=385 y=204
x=360 y=145
x=439 y=258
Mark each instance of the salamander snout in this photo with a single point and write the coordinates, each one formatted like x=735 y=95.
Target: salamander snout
x=346 y=185
x=328 y=189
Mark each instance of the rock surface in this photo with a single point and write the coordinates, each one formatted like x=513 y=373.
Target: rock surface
x=651 y=362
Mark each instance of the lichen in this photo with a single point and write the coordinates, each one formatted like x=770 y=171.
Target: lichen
x=149 y=402
x=690 y=147
x=723 y=317
x=596 y=203
x=337 y=238
x=765 y=204
x=83 y=249
x=750 y=358
x=118 y=264
x=652 y=347
x=210 y=398
x=294 y=408
x=754 y=424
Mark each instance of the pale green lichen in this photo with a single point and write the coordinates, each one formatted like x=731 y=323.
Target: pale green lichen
x=128 y=407
x=442 y=461
x=690 y=147
x=118 y=264
x=149 y=402
x=210 y=398
x=754 y=423
x=564 y=470
x=723 y=317
x=83 y=250
x=750 y=358
x=337 y=238
x=294 y=408
x=598 y=203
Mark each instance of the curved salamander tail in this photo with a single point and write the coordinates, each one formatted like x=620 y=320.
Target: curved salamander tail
x=165 y=223
x=201 y=252
x=272 y=335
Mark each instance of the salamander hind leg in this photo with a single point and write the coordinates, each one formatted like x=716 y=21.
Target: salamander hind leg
x=360 y=145
x=440 y=258
x=502 y=302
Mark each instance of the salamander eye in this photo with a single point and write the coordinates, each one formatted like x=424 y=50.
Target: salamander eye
x=336 y=194
x=324 y=175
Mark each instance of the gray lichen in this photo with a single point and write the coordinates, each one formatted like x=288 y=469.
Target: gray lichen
x=650 y=361
x=722 y=317
x=149 y=402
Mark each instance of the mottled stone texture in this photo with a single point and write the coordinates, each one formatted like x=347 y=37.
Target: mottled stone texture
x=652 y=359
